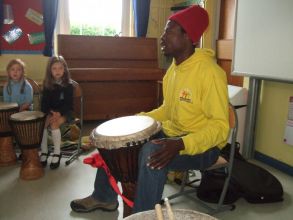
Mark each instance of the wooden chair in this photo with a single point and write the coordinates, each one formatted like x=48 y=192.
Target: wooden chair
x=220 y=164
x=78 y=110
x=36 y=93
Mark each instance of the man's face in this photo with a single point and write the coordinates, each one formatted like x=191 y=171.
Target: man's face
x=173 y=40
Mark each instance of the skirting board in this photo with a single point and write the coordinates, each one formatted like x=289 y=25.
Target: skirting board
x=274 y=163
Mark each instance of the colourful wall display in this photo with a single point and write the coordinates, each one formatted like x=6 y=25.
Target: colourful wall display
x=25 y=32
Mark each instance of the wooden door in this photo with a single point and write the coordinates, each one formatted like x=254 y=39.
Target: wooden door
x=225 y=40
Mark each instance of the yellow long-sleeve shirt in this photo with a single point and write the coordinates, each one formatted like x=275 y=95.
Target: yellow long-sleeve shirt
x=195 y=103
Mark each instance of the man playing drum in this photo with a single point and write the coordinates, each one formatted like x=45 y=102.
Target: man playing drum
x=194 y=117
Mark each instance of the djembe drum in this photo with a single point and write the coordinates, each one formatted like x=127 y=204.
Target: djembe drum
x=119 y=142
x=182 y=214
x=28 y=128
x=7 y=153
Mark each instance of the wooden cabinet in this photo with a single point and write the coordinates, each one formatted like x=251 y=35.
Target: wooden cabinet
x=118 y=75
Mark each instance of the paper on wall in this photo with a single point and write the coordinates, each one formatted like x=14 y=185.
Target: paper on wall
x=34 y=16
x=288 y=137
x=36 y=38
x=290 y=110
x=7 y=14
x=13 y=34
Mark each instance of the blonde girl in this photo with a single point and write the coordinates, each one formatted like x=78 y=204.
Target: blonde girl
x=57 y=104
x=18 y=89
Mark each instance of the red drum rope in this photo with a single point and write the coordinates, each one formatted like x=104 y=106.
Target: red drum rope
x=95 y=160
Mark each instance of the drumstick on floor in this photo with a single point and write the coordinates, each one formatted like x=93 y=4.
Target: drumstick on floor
x=159 y=212
x=169 y=210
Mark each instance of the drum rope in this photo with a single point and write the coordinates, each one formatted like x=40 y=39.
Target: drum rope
x=95 y=160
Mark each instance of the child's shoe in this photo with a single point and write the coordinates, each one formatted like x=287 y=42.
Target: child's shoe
x=55 y=165
x=44 y=158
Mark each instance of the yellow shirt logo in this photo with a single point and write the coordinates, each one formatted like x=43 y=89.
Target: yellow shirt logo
x=185 y=95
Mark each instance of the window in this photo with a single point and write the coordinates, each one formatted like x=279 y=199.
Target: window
x=95 y=17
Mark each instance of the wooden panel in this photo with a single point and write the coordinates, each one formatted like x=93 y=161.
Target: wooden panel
x=113 y=74
x=224 y=49
x=118 y=75
x=232 y=80
x=94 y=63
x=105 y=100
x=76 y=47
x=227 y=14
x=160 y=93
x=225 y=42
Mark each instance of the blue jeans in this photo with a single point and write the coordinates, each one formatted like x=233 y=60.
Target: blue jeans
x=150 y=184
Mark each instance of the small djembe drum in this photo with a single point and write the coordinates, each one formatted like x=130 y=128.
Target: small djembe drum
x=7 y=153
x=119 y=142
x=182 y=214
x=28 y=128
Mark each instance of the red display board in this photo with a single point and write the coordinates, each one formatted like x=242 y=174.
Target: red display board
x=22 y=44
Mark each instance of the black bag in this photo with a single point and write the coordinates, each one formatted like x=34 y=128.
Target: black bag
x=211 y=186
x=248 y=180
x=256 y=184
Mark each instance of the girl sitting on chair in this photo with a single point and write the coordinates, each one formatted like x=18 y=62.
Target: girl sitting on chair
x=18 y=89
x=57 y=103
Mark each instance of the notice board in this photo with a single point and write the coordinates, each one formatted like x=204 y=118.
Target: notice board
x=263 y=46
x=27 y=17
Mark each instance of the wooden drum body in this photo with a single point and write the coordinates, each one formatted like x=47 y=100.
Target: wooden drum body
x=28 y=128
x=119 y=142
x=7 y=153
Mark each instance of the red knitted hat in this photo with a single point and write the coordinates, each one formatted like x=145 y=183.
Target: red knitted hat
x=194 y=20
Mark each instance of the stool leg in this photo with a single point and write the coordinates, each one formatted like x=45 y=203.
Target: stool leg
x=7 y=153
x=31 y=167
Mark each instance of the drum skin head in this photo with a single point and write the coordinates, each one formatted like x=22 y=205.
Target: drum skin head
x=125 y=126
x=26 y=115
x=124 y=131
x=183 y=214
x=8 y=105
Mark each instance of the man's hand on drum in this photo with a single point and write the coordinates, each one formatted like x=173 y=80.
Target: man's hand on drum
x=170 y=148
